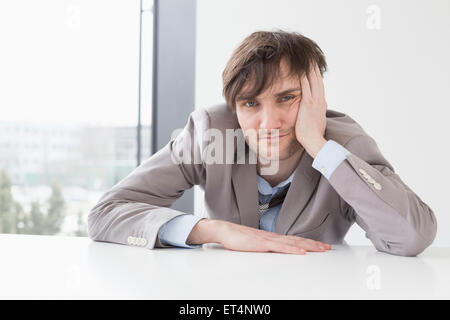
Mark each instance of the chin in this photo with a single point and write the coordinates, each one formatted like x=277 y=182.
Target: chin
x=281 y=155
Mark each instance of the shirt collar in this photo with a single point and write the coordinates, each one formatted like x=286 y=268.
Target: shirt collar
x=265 y=188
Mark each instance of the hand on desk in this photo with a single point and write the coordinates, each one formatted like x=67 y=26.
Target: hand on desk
x=242 y=238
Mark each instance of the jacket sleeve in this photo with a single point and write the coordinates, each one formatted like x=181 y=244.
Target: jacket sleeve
x=393 y=217
x=133 y=210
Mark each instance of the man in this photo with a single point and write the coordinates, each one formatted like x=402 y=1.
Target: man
x=316 y=170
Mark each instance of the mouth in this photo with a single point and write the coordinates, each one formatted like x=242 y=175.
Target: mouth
x=273 y=138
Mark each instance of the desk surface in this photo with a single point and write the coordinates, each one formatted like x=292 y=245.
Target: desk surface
x=53 y=267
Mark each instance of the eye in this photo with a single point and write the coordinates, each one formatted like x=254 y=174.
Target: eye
x=287 y=98
x=250 y=104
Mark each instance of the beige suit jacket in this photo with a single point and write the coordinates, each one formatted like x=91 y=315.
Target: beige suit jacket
x=394 y=218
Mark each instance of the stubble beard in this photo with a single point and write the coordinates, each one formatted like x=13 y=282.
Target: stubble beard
x=292 y=147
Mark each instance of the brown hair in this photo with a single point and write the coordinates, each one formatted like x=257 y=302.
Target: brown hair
x=258 y=58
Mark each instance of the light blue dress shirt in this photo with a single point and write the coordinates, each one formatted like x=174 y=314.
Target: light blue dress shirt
x=265 y=193
x=176 y=231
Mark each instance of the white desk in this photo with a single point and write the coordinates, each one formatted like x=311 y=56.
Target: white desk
x=51 y=267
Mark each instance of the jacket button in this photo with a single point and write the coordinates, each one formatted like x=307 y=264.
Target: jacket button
x=377 y=186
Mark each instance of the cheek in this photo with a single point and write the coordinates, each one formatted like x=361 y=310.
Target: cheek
x=246 y=121
x=249 y=127
x=292 y=115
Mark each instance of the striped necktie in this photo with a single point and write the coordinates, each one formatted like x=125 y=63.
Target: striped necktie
x=276 y=200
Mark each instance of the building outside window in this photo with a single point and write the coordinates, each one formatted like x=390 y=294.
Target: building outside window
x=69 y=108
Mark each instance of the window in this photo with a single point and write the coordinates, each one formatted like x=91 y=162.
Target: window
x=69 y=108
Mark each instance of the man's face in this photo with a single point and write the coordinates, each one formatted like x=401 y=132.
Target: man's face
x=268 y=120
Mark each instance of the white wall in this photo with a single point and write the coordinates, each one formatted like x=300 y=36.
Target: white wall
x=389 y=69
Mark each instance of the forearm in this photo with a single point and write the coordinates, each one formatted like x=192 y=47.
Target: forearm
x=206 y=231
x=119 y=221
x=393 y=216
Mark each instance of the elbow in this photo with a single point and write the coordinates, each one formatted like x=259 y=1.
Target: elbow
x=93 y=231
x=414 y=248
x=419 y=238
x=418 y=242
x=411 y=246
x=98 y=221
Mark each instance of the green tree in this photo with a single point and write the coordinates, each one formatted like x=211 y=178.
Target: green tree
x=37 y=219
x=56 y=211
x=6 y=204
x=49 y=223
x=22 y=219
x=12 y=216
x=13 y=219
x=81 y=226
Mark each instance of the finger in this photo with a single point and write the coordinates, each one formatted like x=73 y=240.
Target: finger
x=276 y=246
x=307 y=244
x=296 y=240
x=320 y=99
x=319 y=81
x=317 y=244
x=313 y=82
x=306 y=90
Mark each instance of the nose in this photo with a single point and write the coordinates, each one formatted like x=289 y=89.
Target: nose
x=270 y=118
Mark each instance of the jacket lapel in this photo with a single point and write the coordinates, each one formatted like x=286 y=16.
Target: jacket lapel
x=300 y=192
x=301 y=189
x=246 y=191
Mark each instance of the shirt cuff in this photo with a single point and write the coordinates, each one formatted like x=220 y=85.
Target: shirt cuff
x=329 y=158
x=176 y=231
